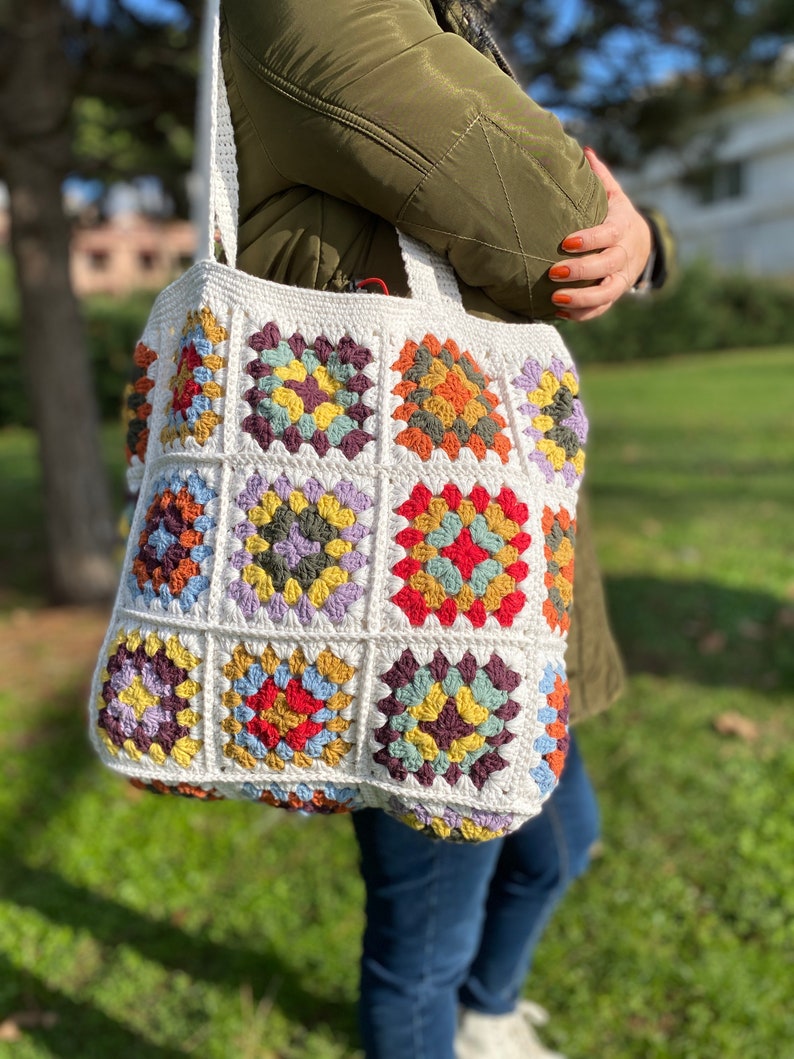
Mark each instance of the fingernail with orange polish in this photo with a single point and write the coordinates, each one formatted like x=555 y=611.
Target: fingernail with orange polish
x=563 y=315
x=561 y=299
x=559 y=272
x=573 y=242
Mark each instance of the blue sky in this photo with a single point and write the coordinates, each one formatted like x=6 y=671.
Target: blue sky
x=622 y=47
x=164 y=10
x=613 y=62
x=660 y=61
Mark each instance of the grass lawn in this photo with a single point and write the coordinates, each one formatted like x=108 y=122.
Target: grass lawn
x=136 y=926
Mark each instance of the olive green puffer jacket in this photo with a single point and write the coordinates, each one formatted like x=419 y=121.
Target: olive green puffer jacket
x=352 y=117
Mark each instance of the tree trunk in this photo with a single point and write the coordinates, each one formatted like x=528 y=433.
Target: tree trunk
x=34 y=103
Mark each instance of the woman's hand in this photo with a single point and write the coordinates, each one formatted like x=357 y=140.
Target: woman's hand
x=613 y=254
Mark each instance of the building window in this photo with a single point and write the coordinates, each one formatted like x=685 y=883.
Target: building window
x=718 y=182
x=148 y=260
x=98 y=260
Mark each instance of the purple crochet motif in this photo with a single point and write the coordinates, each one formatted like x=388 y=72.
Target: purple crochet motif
x=558 y=426
x=144 y=704
x=446 y=721
x=308 y=395
x=450 y=824
x=300 y=549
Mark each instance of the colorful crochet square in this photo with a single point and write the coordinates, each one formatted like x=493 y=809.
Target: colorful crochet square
x=559 y=531
x=558 y=426
x=304 y=799
x=286 y=711
x=452 y=825
x=446 y=720
x=446 y=402
x=144 y=705
x=137 y=407
x=463 y=556
x=171 y=548
x=184 y=790
x=300 y=548
x=189 y=412
x=312 y=395
x=553 y=744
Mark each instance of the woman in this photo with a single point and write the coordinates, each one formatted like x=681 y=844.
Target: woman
x=352 y=118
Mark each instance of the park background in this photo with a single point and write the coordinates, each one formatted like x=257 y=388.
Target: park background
x=132 y=925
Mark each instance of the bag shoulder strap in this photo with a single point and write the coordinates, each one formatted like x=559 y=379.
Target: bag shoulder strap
x=215 y=194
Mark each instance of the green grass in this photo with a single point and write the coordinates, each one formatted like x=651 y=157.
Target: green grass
x=153 y=927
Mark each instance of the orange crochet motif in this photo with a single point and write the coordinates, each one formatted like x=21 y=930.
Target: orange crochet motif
x=446 y=402
x=559 y=531
x=137 y=407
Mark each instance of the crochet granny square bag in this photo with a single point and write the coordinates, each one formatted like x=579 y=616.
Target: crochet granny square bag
x=349 y=576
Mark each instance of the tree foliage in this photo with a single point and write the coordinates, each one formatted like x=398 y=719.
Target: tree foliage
x=604 y=62
x=135 y=91
x=129 y=85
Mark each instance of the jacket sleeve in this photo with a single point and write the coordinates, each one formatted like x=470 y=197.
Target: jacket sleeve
x=372 y=102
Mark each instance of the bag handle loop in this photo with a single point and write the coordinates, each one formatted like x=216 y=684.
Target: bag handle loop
x=216 y=201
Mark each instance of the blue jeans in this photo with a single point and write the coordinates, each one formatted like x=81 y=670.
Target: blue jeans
x=452 y=924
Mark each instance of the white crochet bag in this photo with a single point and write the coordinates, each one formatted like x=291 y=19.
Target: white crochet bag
x=349 y=575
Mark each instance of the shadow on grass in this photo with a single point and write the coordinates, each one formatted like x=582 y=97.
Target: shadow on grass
x=706 y=633
x=113 y=924
x=703 y=632
x=47 y=775
x=81 y=1030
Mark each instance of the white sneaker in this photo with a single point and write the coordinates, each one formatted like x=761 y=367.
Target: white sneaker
x=509 y=1036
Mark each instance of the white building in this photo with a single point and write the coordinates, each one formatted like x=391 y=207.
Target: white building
x=729 y=195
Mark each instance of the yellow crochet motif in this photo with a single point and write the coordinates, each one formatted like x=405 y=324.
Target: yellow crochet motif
x=286 y=711
x=543 y=396
x=297 y=548
x=189 y=411
x=467 y=830
x=144 y=703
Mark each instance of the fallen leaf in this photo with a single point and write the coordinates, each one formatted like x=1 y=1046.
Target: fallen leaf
x=10 y=1031
x=734 y=723
x=713 y=643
